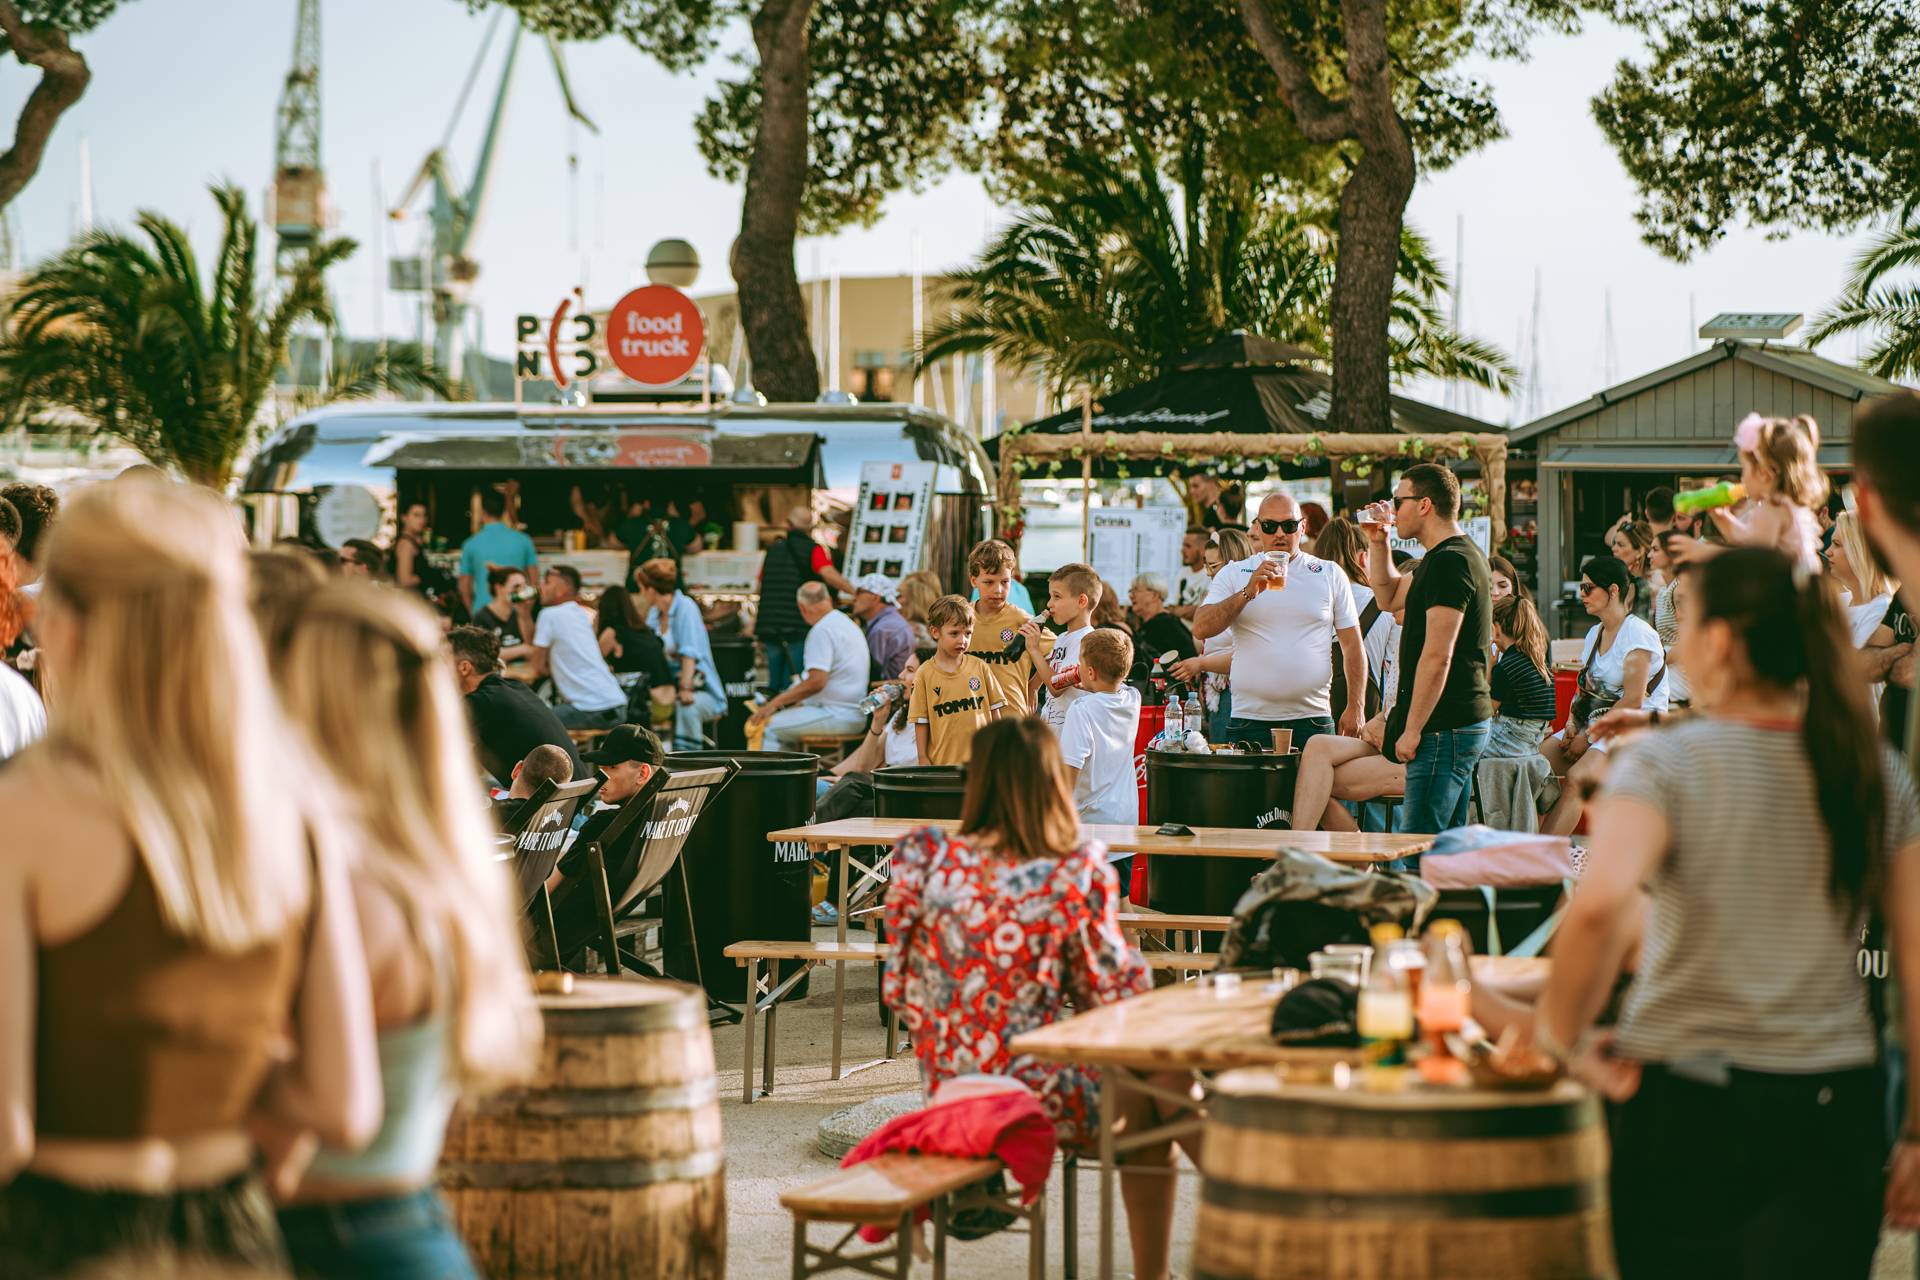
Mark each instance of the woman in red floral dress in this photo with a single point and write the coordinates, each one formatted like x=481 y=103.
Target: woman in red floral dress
x=1010 y=925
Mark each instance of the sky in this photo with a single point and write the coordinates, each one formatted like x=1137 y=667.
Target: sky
x=184 y=93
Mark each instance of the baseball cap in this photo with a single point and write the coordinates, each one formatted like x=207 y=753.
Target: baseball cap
x=879 y=584
x=626 y=742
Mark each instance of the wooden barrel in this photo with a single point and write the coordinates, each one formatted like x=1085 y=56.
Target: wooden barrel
x=1309 y=1182
x=611 y=1163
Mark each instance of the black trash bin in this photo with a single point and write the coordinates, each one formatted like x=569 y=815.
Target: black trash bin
x=733 y=658
x=742 y=884
x=1225 y=789
x=919 y=791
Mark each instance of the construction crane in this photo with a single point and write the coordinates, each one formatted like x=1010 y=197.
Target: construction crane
x=299 y=183
x=453 y=214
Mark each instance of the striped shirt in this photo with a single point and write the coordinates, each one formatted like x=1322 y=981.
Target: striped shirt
x=1747 y=958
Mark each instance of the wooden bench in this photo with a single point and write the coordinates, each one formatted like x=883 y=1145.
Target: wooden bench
x=890 y=1190
x=1178 y=933
x=832 y=748
x=587 y=737
x=807 y=954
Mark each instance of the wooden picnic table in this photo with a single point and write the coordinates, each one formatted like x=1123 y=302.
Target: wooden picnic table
x=1195 y=1028
x=1354 y=848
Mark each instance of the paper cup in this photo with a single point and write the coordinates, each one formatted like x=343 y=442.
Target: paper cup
x=1282 y=741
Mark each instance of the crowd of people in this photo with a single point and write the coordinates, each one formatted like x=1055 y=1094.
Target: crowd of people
x=258 y=942
x=328 y=964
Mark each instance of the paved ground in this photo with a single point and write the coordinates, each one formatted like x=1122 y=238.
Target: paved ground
x=770 y=1144
x=770 y=1147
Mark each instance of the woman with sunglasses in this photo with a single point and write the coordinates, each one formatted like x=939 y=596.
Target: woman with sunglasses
x=1625 y=667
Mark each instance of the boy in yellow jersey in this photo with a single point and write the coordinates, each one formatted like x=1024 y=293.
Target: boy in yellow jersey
x=990 y=567
x=953 y=696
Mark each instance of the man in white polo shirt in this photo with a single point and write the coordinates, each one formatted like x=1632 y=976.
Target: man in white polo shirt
x=826 y=698
x=1282 y=605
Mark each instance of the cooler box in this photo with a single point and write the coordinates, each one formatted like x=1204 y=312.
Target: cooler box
x=1565 y=685
x=1152 y=720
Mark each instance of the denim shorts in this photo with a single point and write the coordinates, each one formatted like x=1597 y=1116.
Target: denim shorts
x=410 y=1237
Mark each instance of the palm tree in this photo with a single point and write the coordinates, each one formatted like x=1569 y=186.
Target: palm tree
x=1105 y=283
x=116 y=331
x=1889 y=311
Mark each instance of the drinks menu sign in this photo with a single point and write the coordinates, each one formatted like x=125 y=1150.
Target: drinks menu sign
x=1129 y=541
x=890 y=519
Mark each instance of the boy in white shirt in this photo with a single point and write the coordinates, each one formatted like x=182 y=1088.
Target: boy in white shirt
x=1072 y=592
x=1096 y=742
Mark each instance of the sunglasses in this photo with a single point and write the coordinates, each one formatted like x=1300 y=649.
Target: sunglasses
x=1280 y=526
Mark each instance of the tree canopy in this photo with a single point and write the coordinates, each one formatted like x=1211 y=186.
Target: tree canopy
x=37 y=34
x=1106 y=282
x=123 y=333
x=1786 y=115
x=892 y=87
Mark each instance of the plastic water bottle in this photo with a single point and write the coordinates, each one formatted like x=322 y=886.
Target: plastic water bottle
x=1176 y=720
x=1194 y=714
x=880 y=697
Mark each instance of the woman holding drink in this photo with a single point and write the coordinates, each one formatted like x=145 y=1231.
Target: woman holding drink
x=1748 y=1136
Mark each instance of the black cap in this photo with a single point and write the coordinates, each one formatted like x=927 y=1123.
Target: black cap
x=625 y=742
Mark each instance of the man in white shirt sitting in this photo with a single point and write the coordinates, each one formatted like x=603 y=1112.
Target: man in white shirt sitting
x=826 y=698
x=566 y=647
x=1282 y=605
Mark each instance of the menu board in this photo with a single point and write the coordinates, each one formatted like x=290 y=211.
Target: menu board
x=1477 y=528
x=1129 y=541
x=890 y=519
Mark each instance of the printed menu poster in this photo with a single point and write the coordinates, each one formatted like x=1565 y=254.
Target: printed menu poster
x=1129 y=541
x=890 y=519
x=1477 y=528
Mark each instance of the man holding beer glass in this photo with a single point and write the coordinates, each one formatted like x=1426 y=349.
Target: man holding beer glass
x=1282 y=605
x=1439 y=722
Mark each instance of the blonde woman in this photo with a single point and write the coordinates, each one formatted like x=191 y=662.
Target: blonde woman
x=918 y=591
x=451 y=997
x=1868 y=589
x=176 y=963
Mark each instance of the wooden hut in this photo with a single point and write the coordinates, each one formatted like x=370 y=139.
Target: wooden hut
x=1572 y=473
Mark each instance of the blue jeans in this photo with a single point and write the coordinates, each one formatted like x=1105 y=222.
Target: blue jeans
x=580 y=718
x=1260 y=732
x=1440 y=779
x=1222 y=717
x=409 y=1237
x=786 y=659
x=690 y=719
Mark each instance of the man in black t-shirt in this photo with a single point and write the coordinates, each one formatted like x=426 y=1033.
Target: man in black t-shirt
x=1891 y=666
x=509 y=719
x=1441 y=717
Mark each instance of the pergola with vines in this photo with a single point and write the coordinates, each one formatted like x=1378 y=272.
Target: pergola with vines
x=1023 y=454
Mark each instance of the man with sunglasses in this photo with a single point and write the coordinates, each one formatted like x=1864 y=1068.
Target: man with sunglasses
x=1282 y=605
x=1441 y=717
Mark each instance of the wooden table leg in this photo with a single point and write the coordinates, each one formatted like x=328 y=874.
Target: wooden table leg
x=1109 y=1120
x=746 y=1023
x=839 y=967
x=773 y=1012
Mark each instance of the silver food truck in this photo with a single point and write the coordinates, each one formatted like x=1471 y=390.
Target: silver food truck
x=574 y=473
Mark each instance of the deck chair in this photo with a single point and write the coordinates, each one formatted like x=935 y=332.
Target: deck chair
x=577 y=903
x=638 y=862
x=540 y=828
